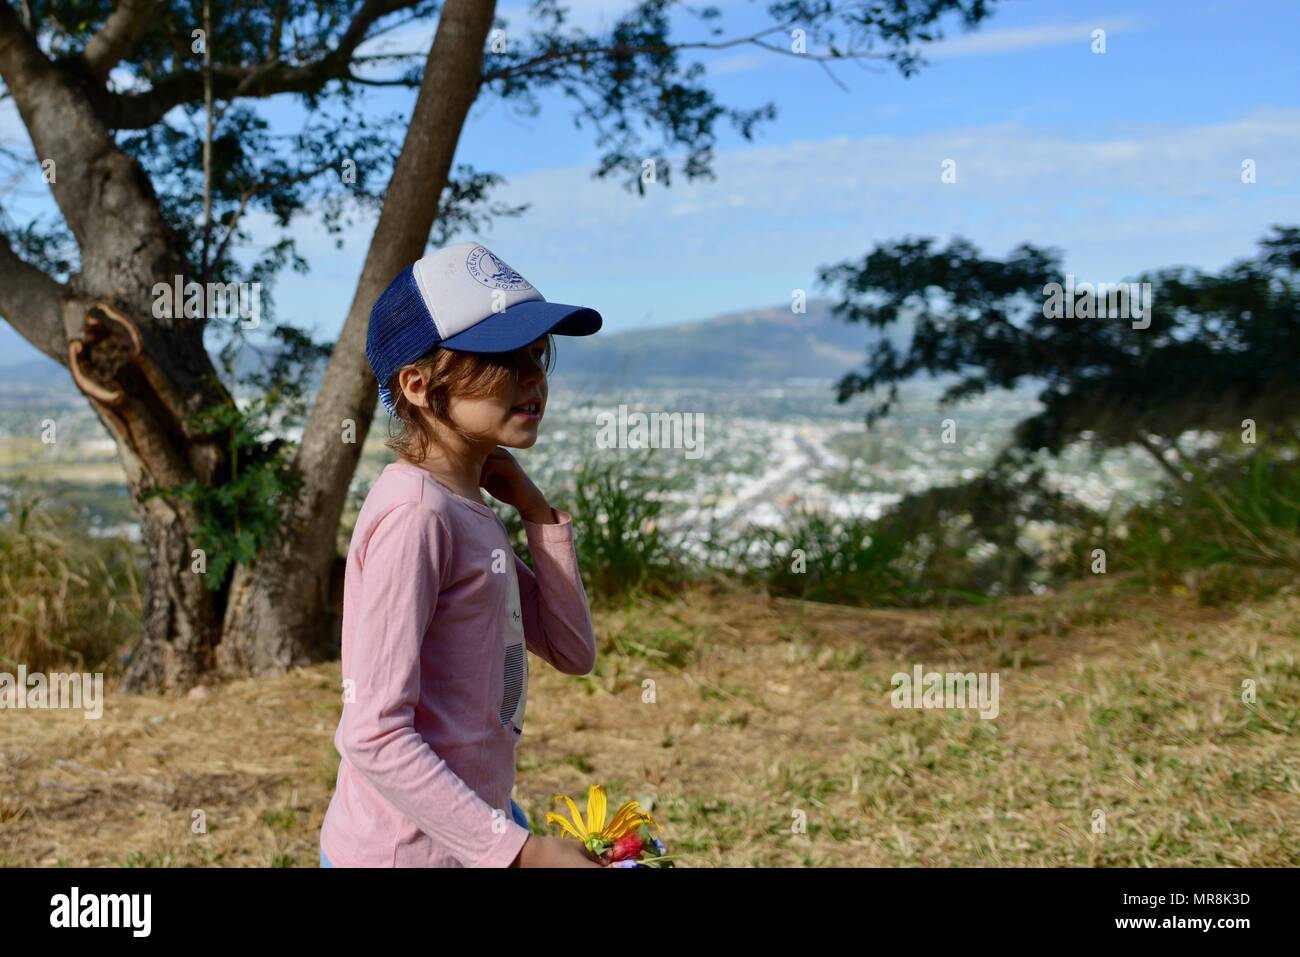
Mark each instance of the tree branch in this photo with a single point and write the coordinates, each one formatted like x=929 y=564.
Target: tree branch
x=130 y=111
x=116 y=38
x=100 y=189
x=246 y=195
x=134 y=111
x=32 y=303
x=564 y=56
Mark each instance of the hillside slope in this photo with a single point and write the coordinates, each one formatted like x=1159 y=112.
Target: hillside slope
x=1111 y=702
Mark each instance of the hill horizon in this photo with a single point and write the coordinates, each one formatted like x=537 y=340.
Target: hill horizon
x=774 y=344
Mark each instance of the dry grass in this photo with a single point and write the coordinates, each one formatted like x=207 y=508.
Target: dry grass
x=61 y=607
x=763 y=710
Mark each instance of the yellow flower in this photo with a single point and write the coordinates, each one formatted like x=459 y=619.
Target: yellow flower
x=594 y=833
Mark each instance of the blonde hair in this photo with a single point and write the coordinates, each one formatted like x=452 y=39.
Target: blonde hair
x=451 y=374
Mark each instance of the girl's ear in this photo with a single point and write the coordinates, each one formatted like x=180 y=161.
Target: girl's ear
x=414 y=386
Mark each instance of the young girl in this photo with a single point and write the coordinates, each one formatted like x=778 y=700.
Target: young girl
x=438 y=612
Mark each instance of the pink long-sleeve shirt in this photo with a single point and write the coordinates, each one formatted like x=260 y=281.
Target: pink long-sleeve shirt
x=437 y=613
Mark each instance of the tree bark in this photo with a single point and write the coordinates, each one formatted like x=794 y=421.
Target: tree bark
x=280 y=612
x=126 y=247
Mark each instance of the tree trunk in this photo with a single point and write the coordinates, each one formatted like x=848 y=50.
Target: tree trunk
x=147 y=377
x=181 y=620
x=280 y=612
x=144 y=375
x=159 y=450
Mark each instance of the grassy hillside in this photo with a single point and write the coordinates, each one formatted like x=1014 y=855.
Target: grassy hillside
x=1112 y=701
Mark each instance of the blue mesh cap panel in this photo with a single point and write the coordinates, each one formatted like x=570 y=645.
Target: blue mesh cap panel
x=400 y=331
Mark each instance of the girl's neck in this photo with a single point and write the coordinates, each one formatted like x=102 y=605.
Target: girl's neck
x=457 y=465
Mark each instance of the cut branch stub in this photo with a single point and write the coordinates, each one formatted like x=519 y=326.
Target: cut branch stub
x=103 y=353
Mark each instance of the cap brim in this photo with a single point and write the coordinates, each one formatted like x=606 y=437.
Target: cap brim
x=524 y=322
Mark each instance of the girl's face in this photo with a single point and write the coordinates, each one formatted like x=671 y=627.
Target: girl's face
x=510 y=417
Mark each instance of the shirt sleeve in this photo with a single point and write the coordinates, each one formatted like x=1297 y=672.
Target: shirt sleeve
x=403 y=562
x=557 y=619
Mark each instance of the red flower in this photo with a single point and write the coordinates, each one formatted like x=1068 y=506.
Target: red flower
x=627 y=848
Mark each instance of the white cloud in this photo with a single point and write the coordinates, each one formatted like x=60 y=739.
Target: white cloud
x=740 y=63
x=1011 y=40
x=1013 y=184
x=1146 y=198
x=985 y=42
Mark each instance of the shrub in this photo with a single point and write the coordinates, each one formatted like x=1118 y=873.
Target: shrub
x=622 y=545
x=1241 y=512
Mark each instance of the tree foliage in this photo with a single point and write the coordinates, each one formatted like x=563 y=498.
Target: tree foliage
x=1219 y=348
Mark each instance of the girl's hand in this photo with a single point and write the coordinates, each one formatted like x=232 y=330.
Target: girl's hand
x=539 y=851
x=505 y=479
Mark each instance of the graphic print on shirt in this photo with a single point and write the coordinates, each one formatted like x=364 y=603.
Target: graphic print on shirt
x=515 y=693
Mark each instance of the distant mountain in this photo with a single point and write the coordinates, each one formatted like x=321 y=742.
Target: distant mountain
x=767 y=344
x=759 y=344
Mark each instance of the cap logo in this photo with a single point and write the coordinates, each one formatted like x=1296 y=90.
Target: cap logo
x=493 y=273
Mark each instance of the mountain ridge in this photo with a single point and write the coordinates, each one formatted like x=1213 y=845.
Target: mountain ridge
x=766 y=343
x=751 y=344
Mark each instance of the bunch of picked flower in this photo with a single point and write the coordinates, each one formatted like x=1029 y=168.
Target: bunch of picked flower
x=623 y=842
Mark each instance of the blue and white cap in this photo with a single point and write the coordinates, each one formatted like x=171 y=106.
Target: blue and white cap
x=467 y=299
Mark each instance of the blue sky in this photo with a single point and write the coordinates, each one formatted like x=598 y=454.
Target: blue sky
x=1126 y=160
